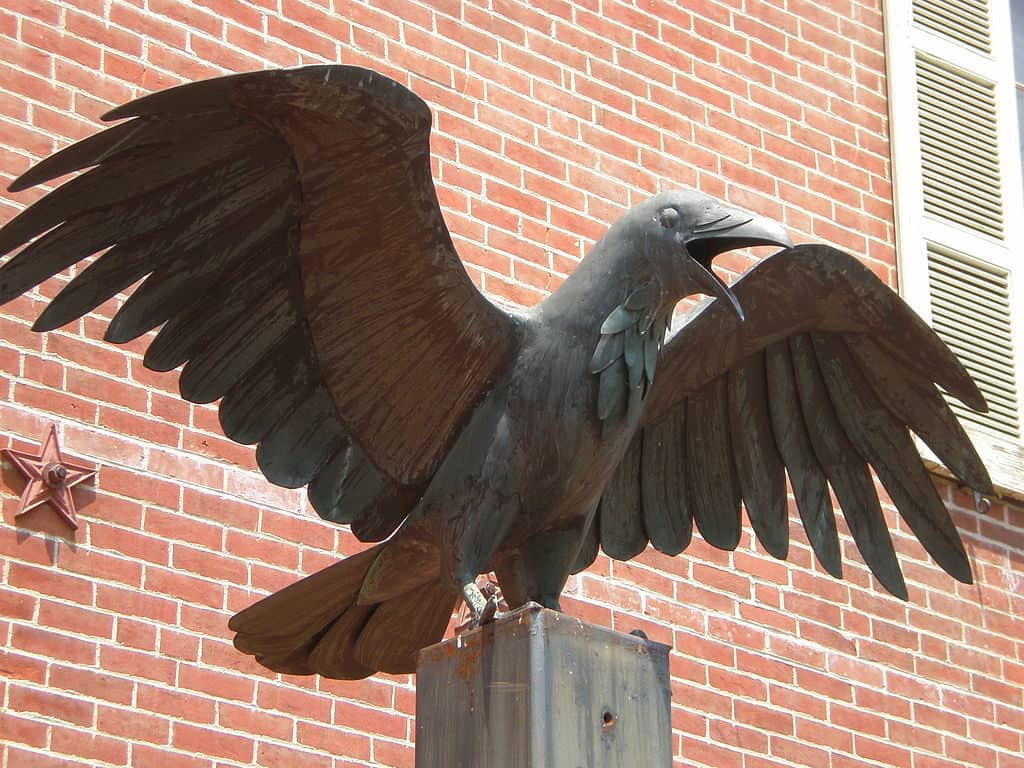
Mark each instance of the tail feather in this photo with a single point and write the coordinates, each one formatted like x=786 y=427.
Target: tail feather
x=309 y=605
x=334 y=655
x=294 y=662
x=319 y=625
x=401 y=626
x=391 y=574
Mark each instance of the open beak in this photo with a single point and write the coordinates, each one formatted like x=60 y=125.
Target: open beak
x=711 y=284
x=726 y=229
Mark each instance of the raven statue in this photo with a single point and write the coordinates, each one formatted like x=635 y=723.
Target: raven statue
x=297 y=263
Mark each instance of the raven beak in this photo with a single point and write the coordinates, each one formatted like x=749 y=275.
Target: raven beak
x=725 y=229
x=711 y=284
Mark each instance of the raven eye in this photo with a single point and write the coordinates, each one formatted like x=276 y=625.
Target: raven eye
x=669 y=217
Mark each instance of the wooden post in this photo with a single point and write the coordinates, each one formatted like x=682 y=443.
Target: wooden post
x=539 y=689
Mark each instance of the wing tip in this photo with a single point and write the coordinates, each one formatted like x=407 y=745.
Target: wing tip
x=956 y=563
x=123 y=111
x=37 y=174
x=894 y=583
x=55 y=315
x=44 y=324
x=116 y=334
x=966 y=390
x=835 y=570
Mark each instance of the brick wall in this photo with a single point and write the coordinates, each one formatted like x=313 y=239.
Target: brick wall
x=551 y=119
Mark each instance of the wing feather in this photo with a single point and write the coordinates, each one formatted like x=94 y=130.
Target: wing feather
x=292 y=244
x=258 y=270
x=122 y=180
x=711 y=481
x=846 y=469
x=810 y=486
x=111 y=272
x=589 y=547
x=82 y=154
x=886 y=444
x=622 y=531
x=179 y=282
x=761 y=473
x=299 y=445
x=350 y=489
x=916 y=402
x=825 y=381
x=253 y=405
x=334 y=653
x=211 y=373
x=667 y=517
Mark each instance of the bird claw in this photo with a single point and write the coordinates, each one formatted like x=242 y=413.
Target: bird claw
x=487 y=615
x=490 y=611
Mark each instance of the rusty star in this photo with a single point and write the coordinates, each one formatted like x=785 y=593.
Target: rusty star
x=50 y=478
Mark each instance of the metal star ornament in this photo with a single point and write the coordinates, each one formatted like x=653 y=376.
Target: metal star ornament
x=50 y=478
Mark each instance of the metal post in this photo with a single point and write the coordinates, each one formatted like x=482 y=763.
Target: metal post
x=539 y=689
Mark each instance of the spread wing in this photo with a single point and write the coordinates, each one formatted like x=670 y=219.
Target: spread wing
x=293 y=250
x=828 y=377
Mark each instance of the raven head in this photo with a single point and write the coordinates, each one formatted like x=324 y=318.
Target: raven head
x=685 y=230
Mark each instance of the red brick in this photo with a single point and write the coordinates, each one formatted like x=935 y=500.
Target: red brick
x=16 y=605
x=330 y=739
x=134 y=603
x=89 y=745
x=54 y=645
x=293 y=701
x=272 y=755
x=203 y=620
x=178 y=645
x=165 y=758
x=25 y=759
x=130 y=543
x=132 y=663
x=167 y=701
x=261 y=548
x=17 y=666
x=393 y=754
x=137 y=486
x=135 y=634
x=178 y=527
x=51 y=401
x=32 y=733
x=215 y=683
x=50 y=704
x=134 y=725
x=142 y=428
x=212 y=742
x=798 y=752
x=75 y=619
x=98 y=565
x=92 y=683
x=184 y=587
x=210 y=565
x=246 y=718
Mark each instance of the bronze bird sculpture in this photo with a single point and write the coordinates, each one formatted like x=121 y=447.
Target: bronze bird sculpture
x=297 y=263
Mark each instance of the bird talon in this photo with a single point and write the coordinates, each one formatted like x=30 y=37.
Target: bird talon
x=487 y=613
x=490 y=611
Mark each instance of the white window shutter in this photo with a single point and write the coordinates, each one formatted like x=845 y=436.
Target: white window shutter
x=966 y=21
x=960 y=215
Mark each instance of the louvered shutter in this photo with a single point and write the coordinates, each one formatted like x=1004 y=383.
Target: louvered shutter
x=960 y=217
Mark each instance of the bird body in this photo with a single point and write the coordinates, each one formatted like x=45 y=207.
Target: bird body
x=297 y=264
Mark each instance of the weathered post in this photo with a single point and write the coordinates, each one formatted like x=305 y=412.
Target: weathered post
x=539 y=689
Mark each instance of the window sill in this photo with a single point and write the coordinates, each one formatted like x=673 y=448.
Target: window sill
x=1003 y=457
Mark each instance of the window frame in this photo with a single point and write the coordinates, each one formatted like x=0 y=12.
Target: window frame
x=1002 y=454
